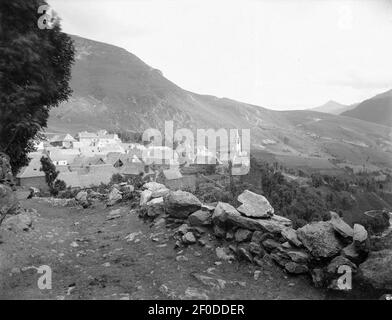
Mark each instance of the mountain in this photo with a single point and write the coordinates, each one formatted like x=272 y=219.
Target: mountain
x=377 y=109
x=115 y=90
x=334 y=107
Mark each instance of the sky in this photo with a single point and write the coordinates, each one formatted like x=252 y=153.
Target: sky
x=279 y=54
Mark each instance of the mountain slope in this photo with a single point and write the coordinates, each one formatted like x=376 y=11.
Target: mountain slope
x=377 y=109
x=114 y=89
x=334 y=107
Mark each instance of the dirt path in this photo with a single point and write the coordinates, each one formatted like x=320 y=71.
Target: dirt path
x=91 y=258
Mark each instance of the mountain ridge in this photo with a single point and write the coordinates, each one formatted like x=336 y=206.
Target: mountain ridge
x=377 y=109
x=115 y=90
x=334 y=107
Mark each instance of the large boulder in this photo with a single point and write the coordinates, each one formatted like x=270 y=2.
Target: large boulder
x=114 y=197
x=221 y=213
x=180 y=204
x=340 y=226
x=82 y=199
x=145 y=196
x=291 y=236
x=200 y=218
x=377 y=270
x=360 y=234
x=274 y=226
x=320 y=239
x=242 y=235
x=154 y=186
x=155 y=207
x=254 y=205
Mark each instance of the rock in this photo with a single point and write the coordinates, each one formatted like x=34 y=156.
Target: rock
x=182 y=229
x=274 y=226
x=222 y=212
x=229 y=235
x=188 y=238
x=222 y=254
x=114 y=197
x=318 y=277
x=257 y=237
x=360 y=234
x=377 y=271
x=219 y=232
x=19 y=222
x=351 y=253
x=114 y=214
x=82 y=199
x=242 y=235
x=291 y=236
x=132 y=236
x=195 y=294
x=214 y=283
x=340 y=226
x=206 y=207
x=254 y=205
x=296 y=268
x=282 y=220
x=256 y=249
x=297 y=256
x=145 y=196
x=286 y=245
x=155 y=207
x=270 y=245
x=244 y=254
x=320 y=239
x=200 y=218
x=154 y=186
x=181 y=258
x=160 y=193
x=180 y=204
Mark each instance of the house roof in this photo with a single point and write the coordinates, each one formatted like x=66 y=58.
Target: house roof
x=83 y=161
x=132 y=168
x=62 y=137
x=172 y=174
x=63 y=154
x=112 y=157
x=102 y=134
x=33 y=169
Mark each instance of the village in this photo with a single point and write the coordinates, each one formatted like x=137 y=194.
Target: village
x=92 y=158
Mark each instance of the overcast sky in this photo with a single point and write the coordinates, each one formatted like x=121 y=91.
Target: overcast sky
x=280 y=54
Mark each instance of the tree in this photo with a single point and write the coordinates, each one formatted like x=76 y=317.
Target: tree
x=35 y=69
x=51 y=174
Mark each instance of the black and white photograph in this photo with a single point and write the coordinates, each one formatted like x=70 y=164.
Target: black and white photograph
x=195 y=155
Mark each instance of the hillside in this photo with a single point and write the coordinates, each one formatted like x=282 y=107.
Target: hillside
x=377 y=109
x=334 y=107
x=114 y=89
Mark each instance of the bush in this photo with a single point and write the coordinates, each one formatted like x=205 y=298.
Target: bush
x=60 y=185
x=117 y=178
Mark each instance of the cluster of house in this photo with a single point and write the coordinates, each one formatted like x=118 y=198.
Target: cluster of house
x=92 y=158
